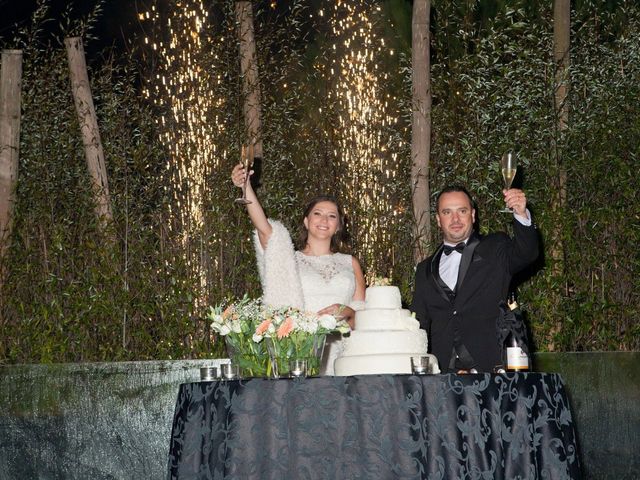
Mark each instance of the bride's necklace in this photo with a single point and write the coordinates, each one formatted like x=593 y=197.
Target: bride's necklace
x=323 y=265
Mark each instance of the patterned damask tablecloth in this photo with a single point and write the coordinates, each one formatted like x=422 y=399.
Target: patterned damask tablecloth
x=513 y=426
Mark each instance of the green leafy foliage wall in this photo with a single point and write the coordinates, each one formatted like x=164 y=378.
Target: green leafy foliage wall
x=72 y=295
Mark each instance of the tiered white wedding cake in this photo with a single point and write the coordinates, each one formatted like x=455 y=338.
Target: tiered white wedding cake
x=385 y=337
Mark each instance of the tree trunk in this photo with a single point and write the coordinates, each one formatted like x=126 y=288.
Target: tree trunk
x=10 y=89
x=87 y=117
x=561 y=45
x=249 y=73
x=421 y=127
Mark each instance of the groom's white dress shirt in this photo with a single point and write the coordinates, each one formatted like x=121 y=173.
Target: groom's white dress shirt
x=450 y=264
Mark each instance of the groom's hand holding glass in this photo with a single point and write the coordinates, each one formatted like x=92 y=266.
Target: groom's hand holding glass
x=516 y=200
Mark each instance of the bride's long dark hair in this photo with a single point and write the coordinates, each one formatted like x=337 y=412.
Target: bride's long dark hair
x=339 y=239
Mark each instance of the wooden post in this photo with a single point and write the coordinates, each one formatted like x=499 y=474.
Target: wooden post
x=93 y=151
x=10 y=90
x=421 y=126
x=561 y=46
x=249 y=73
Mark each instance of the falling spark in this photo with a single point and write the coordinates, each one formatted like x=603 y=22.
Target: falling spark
x=188 y=129
x=361 y=130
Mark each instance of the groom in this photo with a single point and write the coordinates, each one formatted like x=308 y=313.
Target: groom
x=458 y=289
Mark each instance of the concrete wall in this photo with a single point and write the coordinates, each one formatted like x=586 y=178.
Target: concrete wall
x=89 y=421
x=113 y=420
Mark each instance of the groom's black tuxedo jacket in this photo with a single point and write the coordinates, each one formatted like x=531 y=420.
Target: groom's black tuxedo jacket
x=466 y=317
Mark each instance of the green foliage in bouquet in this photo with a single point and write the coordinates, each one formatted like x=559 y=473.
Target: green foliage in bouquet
x=237 y=323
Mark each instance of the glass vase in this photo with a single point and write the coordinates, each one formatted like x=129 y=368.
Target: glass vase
x=251 y=357
x=295 y=347
x=278 y=362
x=314 y=361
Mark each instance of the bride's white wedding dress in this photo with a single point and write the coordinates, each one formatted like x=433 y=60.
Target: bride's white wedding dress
x=307 y=282
x=326 y=280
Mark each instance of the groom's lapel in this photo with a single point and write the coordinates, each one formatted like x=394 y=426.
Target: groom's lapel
x=467 y=256
x=443 y=289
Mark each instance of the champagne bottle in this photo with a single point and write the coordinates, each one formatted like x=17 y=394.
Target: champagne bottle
x=517 y=360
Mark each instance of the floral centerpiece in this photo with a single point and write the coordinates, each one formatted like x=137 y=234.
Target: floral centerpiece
x=290 y=333
x=237 y=323
x=262 y=340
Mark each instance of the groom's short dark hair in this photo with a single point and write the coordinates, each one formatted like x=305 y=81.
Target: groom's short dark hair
x=454 y=188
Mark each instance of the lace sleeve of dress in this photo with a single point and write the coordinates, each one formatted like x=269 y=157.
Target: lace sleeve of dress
x=278 y=270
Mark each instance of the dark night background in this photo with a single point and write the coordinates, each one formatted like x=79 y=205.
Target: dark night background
x=116 y=25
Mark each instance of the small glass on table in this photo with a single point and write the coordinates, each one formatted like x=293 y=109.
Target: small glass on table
x=297 y=368
x=421 y=365
x=230 y=371
x=208 y=374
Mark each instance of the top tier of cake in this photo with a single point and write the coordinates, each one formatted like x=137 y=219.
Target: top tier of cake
x=385 y=297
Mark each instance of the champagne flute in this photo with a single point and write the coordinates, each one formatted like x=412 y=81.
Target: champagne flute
x=508 y=165
x=246 y=156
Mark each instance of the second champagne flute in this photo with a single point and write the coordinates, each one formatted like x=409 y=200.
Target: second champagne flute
x=508 y=166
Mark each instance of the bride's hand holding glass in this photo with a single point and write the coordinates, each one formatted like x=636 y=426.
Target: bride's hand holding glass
x=238 y=175
x=246 y=160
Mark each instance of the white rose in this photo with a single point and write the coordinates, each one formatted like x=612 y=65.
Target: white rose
x=224 y=330
x=236 y=327
x=327 y=321
x=257 y=338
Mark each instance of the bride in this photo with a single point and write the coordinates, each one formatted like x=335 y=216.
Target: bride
x=316 y=276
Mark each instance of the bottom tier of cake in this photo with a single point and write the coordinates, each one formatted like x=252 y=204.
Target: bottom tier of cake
x=392 y=363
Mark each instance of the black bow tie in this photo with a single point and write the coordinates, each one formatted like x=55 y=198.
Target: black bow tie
x=447 y=249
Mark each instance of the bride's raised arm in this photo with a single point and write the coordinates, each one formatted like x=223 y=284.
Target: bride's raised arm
x=256 y=213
